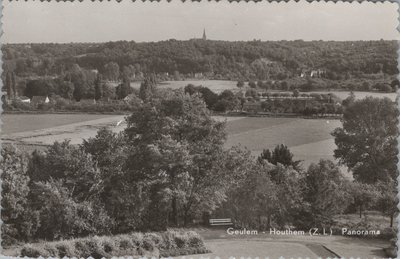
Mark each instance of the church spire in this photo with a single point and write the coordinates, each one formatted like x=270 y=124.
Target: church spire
x=204 y=34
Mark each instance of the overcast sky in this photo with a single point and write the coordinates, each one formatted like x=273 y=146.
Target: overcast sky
x=88 y=21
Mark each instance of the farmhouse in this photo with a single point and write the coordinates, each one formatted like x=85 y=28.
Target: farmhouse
x=24 y=99
x=313 y=73
x=317 y=73
x=36 y=100
x=130 y=97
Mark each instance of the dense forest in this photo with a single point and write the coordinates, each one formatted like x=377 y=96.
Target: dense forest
x=218 y=59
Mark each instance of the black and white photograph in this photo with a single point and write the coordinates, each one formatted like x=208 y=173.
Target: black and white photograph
x=209 y=129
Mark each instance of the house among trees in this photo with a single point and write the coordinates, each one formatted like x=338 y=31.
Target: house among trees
x=313 y=73
x=24 y=99
x=317 y=73
x=130 y=97
x=37 y=100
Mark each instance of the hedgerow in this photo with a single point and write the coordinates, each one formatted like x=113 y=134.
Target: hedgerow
x=163 y=244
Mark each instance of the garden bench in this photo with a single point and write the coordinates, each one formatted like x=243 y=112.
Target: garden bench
x=221 y=222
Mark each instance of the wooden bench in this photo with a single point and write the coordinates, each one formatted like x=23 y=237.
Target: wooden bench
x=221 y=222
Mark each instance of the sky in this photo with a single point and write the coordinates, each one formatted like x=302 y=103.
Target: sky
x=87 y=21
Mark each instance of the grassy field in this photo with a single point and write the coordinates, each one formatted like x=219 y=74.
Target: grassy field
x=218 y=86
x=308 y=139
x=12 y=123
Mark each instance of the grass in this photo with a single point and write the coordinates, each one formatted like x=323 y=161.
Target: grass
x=12 y=123
x=164 y=244
x=221 y=85
x=309 y=139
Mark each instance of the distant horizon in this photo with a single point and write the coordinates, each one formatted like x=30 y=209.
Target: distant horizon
x=139 y=42
x=99 y=22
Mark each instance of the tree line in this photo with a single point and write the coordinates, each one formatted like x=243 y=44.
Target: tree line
x=235 y=60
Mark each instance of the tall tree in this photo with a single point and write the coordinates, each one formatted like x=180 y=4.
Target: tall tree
x=14 y=85
x=8 y=84
x=364 y=195
x=98 y=87
x=177 y=154
x=124 y=89
x=18 y=222
x=388 y=199
x=325 y=191
x=111 y=71
x=367 y=141
x=147 y=88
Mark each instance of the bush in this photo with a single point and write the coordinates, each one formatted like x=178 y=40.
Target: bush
x=148 y=244
x=169 y=243
x=137 y=239
x=52 y=250
x=181 y=240
x=108 y=245
x=65 y=248
x=388 y=233
x=125 y=243
x=126 y=246
x=34 y=251
x=195 y=240
x=155 y=237
x=89 y=247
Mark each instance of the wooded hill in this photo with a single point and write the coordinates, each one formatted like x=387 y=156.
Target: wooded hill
x=251 y=60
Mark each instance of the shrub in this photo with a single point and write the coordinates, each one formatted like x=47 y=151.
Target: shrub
x=127 y=246
x=90 y=247
x=125 y=243
x=108 y=245
x=181 y=240
x=51 y=249
x=33 y=251
x=141 y=251
x=148 y=244
x=168 y=240
x=155 y=237
x=137 y=239
x=65 y=248
x=170 y=243
x=195 y=240
x=388 y=233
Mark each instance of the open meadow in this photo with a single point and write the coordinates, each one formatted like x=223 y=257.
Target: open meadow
x=308 y=139
x=219 y=86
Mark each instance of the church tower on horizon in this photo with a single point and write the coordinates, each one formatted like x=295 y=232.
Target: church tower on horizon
x=204 y=34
